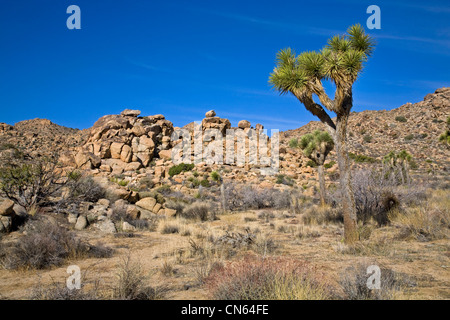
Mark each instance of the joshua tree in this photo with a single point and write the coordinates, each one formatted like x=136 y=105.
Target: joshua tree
x=400 y=162
x=340 y=62
x=316 y=146
x=445 y=137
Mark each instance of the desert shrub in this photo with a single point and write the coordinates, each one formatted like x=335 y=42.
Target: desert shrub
x=205 y=183
x=198 y=211
x=283 y=179
x=293 y=143
x=177 y=205
x=146 y=183
x=215 y=176
x=246 y=197
x=329 y=164
x=360 y=158
x=83 y=188
x=445 y=137
x=169 y=228
x=267 y=279
x=132 y=282
x=46 y=245
x=426 y=222
x=311 y=164
x=400 y=119
x=367 y=138
x=182 y=167
x=30 y=182
x=409 y=137
x=119 y=214
x=376 y=194
x=322 y=215
x=354 y=283
x=59 y=291
x=264 y=244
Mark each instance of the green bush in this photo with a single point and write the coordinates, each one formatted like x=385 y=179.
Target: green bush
x=360 y=158
x=293 y=143
x=329 y=164
x=205 y=183
x=30 y=182
x=182 y=167
x=311 y=164
x=400 y=119
x=283 y=179
x=215 y=176
x=367 y=138
x=409 y=137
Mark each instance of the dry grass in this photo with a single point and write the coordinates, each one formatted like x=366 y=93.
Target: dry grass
x=426 y=222
x=254 y=278
x=197 y=256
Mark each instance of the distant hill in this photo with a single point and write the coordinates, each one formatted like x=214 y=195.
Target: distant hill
x=412 y=127
x=40 y=136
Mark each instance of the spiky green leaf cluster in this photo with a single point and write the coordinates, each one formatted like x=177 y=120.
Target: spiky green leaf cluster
x=340 y=61
x=316 y=142
x=393 y=158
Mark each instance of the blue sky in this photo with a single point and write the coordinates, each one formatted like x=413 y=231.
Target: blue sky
x=183 y=58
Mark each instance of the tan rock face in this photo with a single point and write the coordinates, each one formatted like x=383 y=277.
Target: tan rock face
x=147 y=203
x=244 y=124
x=210 y=114
x=6 y=207
x=126 y=137
x=216 y=123
x=130 y=113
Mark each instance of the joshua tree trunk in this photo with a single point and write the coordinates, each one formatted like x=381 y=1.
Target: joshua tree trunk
x=321 y=184
x=222 y=195
x=348 y=199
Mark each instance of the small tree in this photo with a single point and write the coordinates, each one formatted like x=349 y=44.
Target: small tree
x=399 y=164
x=445 y=137
x=30 y=182
x=340 y=62
x=316 y=146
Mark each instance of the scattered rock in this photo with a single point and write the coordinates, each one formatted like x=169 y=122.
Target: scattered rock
x=244 y=124
x=210 y=114
x=81 y=223
x=130 y=113
x=128 y=227
x=6 y=207
x=147 y=203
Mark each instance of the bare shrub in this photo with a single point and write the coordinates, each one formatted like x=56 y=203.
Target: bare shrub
x=267 y=279
x=169 y=227
x=424 y=223
x=132 y=282
x=59 y=291
x=47 y=245
x=177 y=205
x=246 y=197
x=354 y=283
x=322 y=215
x=84 y=188
x=198 y=211
x=30 y=182
x=377 y=193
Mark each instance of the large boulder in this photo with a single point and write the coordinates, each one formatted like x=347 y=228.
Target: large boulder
x=147 y=203
x=210 y=114
x=6 y=207
x=244 y=124
x=125 y=137
x=130 y=113
x=81 y=223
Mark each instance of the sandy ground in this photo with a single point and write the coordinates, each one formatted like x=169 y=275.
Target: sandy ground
x=426 y=263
